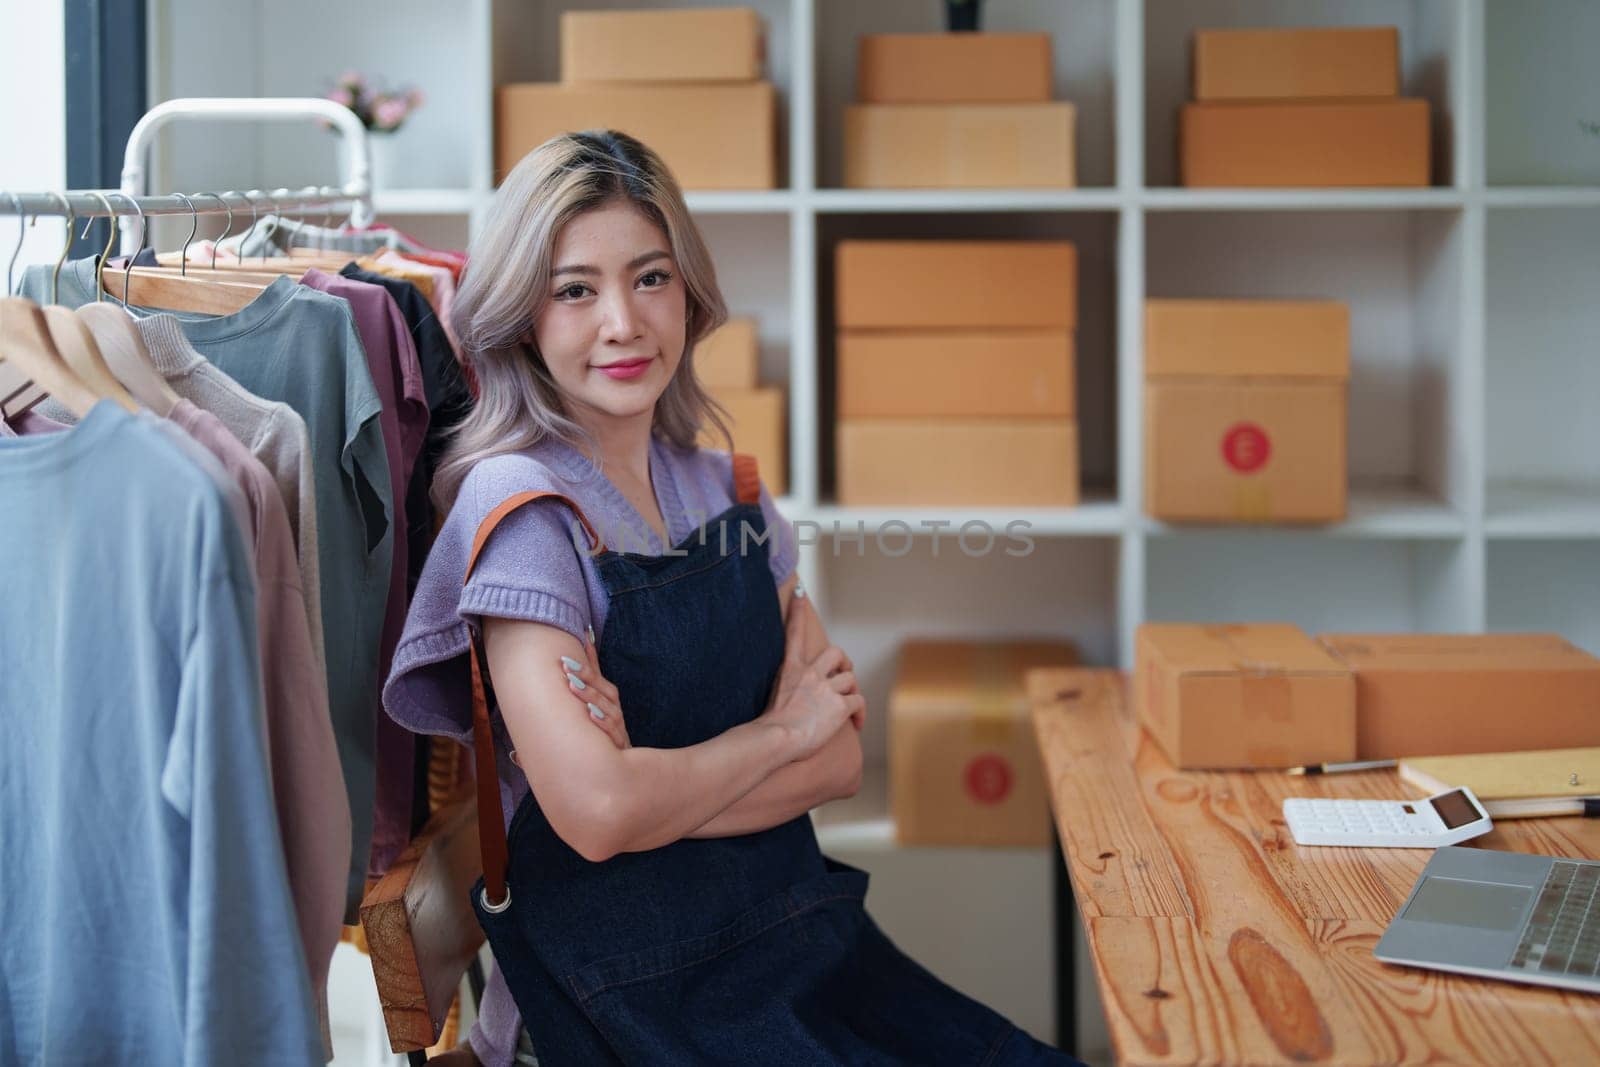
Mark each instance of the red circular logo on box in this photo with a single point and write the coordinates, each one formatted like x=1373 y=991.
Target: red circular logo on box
x=988 y=779
x=1246 y=447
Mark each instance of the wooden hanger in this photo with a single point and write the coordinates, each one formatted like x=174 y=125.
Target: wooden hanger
x=26 y=346
x=224 y=272
x=199 y=295
x=18 y=392
x=125 y=353
x=78 y=348
x=175 y=293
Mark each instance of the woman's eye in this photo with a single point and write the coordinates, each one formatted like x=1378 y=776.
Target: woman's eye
x=571 y=292
x=660 y=278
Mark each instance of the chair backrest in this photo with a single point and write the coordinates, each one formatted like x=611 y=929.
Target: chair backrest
x=421 y=930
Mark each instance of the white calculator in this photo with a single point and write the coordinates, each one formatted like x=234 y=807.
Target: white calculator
x=1443 y=819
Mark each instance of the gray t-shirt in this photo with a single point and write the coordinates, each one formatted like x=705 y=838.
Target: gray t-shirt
x=298 y=346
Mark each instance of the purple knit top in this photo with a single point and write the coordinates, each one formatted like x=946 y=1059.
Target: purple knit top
x=533 y=567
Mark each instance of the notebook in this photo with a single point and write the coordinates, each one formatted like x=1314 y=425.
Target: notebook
x=1514 y=785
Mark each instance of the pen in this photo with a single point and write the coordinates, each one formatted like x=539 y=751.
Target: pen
x=1341 y=768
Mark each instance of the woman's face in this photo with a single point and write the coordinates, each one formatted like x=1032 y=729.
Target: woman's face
x=613 y=331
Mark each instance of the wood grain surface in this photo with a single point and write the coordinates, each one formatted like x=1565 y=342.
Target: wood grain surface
x=1217 y=939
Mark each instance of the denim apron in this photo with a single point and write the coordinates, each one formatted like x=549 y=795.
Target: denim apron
x=735 y=950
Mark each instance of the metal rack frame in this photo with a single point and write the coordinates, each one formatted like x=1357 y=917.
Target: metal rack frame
x=128 y=204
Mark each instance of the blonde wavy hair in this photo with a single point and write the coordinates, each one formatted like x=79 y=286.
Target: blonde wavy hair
x=506 y=286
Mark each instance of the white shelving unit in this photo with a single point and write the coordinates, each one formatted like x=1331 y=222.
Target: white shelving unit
x=1475 y=426
x=1473 y=311
x=1472 y=301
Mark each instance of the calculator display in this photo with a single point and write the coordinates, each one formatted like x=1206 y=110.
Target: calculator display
x=1455 y=809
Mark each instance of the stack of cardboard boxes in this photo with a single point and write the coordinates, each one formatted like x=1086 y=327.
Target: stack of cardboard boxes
x=1245 y=410
x=726 y=364
x=1302 y=107
x=685 y=82
x=955 y=373
x=1267 y=695
x=957 y=110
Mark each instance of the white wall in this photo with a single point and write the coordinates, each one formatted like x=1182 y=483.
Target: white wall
x=33 y=129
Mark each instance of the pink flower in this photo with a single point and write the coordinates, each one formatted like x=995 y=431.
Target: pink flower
x=353 y=80
x=342 y=97
x=389 y=113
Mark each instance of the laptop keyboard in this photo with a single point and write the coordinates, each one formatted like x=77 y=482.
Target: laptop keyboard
x=1563 y=934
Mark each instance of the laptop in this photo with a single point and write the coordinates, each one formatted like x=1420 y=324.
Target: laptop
x=1502 y=915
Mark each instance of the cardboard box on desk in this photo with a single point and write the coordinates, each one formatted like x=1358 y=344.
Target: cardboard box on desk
x=960 y=146
x=1255 y=695
x=1004 y=373
x=1305 y=143
x=953 y=68
x=963 y=761
x=1245 y=410
x=759 y=427
x=1456 y=694
x=1287 y=64
x=712 y=136
x=681 y=45
x=730 y=357
x=955 y=462
x=959 y=284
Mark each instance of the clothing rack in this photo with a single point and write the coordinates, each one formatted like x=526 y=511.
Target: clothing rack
x=130 y=203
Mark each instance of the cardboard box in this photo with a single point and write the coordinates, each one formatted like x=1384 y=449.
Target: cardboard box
x=1245 y=410
x=730 y=357
x=1309 y=143
x=1298 y=339
x=1455 y=694
x=975 y=284
x=956 y=372
x=958 y=462
x=1288 y=64
x=759 y=420
x=711 y=136
x=964 y=764
x=1223 y=450
x=1255 y=695
x=959 y=146
x=953 y=68
x=681 y=45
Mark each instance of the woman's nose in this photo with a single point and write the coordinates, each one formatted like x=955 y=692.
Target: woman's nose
x=620 y=320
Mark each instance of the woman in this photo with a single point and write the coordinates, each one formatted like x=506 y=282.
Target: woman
x=677 y=708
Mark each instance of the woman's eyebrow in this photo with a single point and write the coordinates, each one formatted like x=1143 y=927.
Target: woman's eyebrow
x=633 y=264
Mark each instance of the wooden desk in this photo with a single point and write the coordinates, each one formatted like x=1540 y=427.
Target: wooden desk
x=1217 y=939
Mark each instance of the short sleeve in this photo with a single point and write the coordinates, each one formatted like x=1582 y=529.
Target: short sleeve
x=782 y=550
x=530 y=569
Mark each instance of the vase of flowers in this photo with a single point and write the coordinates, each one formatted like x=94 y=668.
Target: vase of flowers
x=383 y=112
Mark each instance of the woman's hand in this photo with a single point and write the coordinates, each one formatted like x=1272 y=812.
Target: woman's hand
x=597 y=697
x=814 y=697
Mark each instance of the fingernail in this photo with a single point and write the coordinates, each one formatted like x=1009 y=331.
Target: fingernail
x=571 y=664
x=591 y=635
x=596 y=714
x=799 y=590
x=576 y=682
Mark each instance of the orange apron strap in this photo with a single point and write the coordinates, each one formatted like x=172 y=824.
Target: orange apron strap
x=491 y=818
x=746 y=479
x=505 y=508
